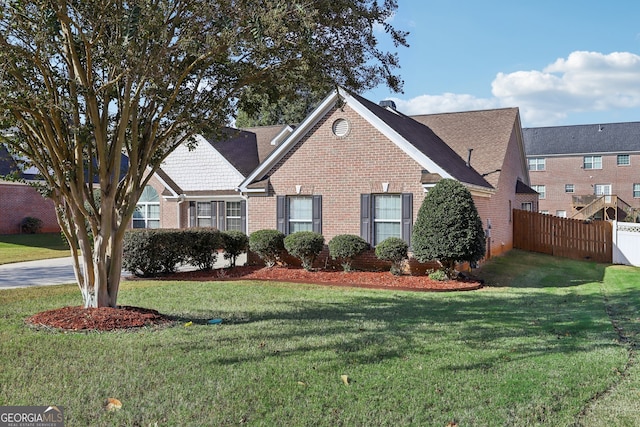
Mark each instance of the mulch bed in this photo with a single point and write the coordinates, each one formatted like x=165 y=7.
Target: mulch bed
x=125 y=317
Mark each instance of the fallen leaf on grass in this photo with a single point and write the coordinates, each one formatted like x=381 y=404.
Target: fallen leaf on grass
x=302 y=383
x=188 y=324
x=113 y=404
x=345 y=379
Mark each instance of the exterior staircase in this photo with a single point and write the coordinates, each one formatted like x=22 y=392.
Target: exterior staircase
x=588 y=206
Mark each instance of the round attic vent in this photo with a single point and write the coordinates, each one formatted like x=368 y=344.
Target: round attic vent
x=340 y=128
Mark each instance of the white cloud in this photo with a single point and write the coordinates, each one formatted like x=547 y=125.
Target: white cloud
x=447 y=102
x=582 y=82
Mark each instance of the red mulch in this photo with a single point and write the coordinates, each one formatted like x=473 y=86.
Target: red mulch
x=97 y=319
x=359 y=279
x=108 y=319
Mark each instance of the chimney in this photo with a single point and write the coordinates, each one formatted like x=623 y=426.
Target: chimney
x=387 y=103
x=469 y=158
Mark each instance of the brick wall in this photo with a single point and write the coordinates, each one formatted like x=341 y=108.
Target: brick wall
x=563 y=170
x=341 y=169
x=18 y=201
x=168 y=208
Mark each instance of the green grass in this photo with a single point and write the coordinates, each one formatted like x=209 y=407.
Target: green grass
x=30 y=247
x=537 y=351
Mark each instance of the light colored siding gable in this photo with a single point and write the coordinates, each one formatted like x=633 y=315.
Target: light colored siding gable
x=202 y=169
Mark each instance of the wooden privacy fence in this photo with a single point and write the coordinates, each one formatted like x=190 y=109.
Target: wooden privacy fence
x=564 y=237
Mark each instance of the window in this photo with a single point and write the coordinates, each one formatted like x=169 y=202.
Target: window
x=386 y=215
x=147 y=213
x=569 y=188
x=299 y=213
x=527 y=206
x=223 y=215
x=636 y=191
x=592 y=162
x=602 y=189
x=541 y=189
x=203 y=214
x=561 y=214
x=623 y=160
x=234 y=216
x=537 y=164
x=545 y=212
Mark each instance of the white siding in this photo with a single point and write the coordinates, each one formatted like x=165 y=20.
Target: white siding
x=202 y=169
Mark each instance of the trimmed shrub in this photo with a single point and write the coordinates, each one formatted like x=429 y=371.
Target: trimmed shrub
x=448 y=228
x=268 y=244
x=395 y=250
x=31 y=225
x=201 y=245
x=235 y=243
x=345 y=247
x=438 y=275
x=304 y=245
x=149 y=252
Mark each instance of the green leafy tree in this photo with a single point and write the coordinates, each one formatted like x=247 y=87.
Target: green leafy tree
x=448 y=228
x=85 y=81
x=264 y=109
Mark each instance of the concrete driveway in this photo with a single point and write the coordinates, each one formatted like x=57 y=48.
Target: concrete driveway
x=58 y=271
x=55 y=271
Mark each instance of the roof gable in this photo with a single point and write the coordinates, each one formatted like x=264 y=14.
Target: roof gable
x=210 y=166
x=582 y=139
x=486 y=132
x=415 y=139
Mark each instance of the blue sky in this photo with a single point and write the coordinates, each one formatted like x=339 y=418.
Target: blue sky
x=562 y=62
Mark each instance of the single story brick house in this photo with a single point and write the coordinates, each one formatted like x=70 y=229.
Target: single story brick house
x=355 y=167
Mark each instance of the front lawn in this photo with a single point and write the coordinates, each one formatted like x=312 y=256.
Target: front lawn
x=505 y=355
x=30 y=247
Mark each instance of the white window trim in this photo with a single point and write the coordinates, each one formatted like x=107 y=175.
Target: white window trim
x=592 y=162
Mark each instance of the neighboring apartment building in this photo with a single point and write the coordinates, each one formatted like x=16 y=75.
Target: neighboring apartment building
x=585 y=171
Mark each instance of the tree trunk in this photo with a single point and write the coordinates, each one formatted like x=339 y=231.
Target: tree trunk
x=97 y=256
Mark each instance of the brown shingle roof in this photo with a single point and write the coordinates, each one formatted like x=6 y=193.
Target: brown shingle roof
x=488 y=132
x=425 y=139
x=264 y=136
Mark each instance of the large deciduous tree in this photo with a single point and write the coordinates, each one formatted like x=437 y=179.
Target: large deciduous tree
x=85 y=82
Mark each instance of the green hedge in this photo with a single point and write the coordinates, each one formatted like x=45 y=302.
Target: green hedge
x=268 y=244
x=345 y=247
x=304 y=245
x=235 y=243
x=150 y=252
x=393 y=249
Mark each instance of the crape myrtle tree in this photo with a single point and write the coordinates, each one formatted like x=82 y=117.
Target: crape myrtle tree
x=448 y=228
x=84 y=82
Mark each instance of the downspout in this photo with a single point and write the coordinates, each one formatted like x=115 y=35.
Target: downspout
x=181 y=199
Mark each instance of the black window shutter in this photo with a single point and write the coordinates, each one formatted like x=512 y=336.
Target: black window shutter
x=214 y=214
x=281 y=214
x=222 y=217
x=243 y=216
x=365 y=217
x=192 y=214
x=407 y=217
x=317 y=214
